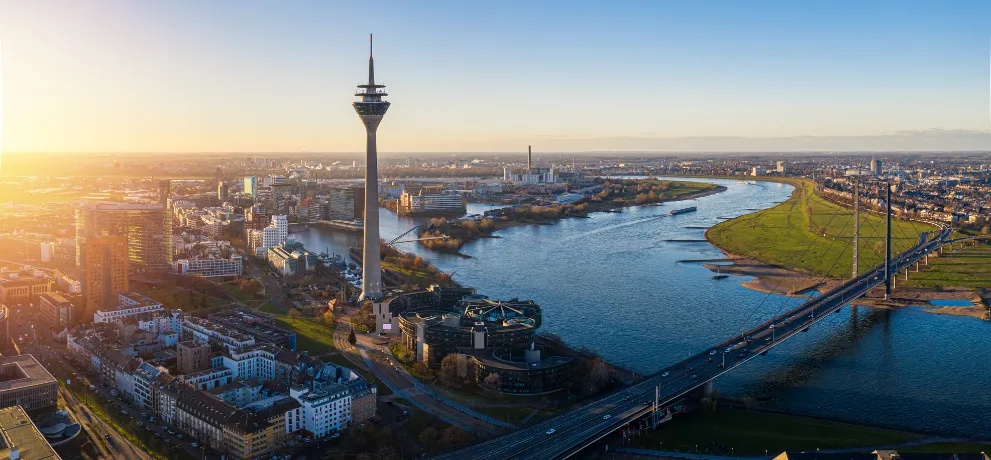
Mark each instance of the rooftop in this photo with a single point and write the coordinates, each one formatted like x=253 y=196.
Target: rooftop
x=23 y=371
x=19 y=433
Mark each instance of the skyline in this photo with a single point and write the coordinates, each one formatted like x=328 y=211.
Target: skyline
x=185 y=77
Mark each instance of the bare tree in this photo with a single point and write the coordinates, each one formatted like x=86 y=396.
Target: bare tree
x=493 y=382
x=293 y=314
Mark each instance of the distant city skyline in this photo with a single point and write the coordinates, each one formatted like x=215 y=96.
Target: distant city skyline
x=183 y=76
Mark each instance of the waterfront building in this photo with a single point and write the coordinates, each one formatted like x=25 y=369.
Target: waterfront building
x=345 y=203
x=56 y=311
x=757 y=171
x=25 y=382
x=128 y=304
x=782 y=169
x=147 y=227
x=291 y=258
x=103 y=265
x=420 y=204
x=210 y=267
x=275 y=234
x=371 y=109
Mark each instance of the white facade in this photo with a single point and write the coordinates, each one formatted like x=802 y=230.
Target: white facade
x=210 y=378
x=130 y=305
x=209 y=268
x=206 y=331
x=324 y=412
x=252 y=363
x=411 y=203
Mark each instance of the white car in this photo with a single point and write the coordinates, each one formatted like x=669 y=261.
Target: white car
x=550 y=431
x=665 y=374
x=606 y=417
x=712 y=352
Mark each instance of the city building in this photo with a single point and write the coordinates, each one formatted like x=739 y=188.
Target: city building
x=192 y=357
x=147 y=228
x=25 y=382
x=276 y=233
x=128 y=304
x=23 y=286
x=210 y=267
x=782 y=169
x=250 y=186
x=291 y=258
x=223 y=192
x=205 y=331
x=420 y=204
x=20 y=437
x=326 y=411
x=4 y=327
x=876 y=167
x=259 y=326
x=56 y=311
x=145 y=378
x=345 y=203
x=103 y=266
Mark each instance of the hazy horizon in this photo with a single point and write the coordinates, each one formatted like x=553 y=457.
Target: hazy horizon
x=185 y=76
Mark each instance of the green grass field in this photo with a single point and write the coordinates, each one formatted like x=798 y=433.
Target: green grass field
x=810 y=234
x=737 y=431
x=311 y=336
x=968 y=267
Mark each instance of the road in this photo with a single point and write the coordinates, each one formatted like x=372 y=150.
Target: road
x=585 y=425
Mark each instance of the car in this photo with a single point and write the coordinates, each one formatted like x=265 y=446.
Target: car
x=107 y=436
x=179 y=435
x=194 y=444
x=665 y=374
x=550 y=431
x=694 y=376
x=606 y=417
x=627 y=398
x=335 y=436
x=712 y=352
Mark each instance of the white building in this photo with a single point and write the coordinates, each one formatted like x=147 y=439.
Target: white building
x=324 y=412
x=130 y=304
x=210 y=268
x=144 y=379
x=210 y=378
x=420 y=203
x=255 y=362
x=274 y=235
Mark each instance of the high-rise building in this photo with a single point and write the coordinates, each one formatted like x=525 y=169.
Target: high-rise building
x=371 y=109
x=875 y=167
x=346 y=203
x=103 y=265
x=192 y=357
x=250 y=186
x=148 y=232
x=223 y=192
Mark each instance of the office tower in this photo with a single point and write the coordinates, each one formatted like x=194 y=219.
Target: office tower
x=146 y=226
x=103 y=264
x=371 y=109
x=164 y=191
x=250 y=185
x=875 y=167
x=223 y=192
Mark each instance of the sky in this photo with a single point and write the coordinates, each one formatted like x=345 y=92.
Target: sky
x=262 y=76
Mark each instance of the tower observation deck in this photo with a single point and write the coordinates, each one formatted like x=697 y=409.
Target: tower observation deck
x=371 y=108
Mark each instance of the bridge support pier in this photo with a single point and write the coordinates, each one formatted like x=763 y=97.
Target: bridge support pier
x=917 y=267
x=906 y=274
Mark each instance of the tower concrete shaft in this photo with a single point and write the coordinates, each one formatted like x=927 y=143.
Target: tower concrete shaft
x=371 y=109
x=856 y=228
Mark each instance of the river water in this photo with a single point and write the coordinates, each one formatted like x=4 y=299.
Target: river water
x=613 y=284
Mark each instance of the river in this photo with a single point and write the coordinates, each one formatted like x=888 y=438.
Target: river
x=613 y=284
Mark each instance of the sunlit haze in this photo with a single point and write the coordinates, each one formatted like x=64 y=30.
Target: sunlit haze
x=190 y=76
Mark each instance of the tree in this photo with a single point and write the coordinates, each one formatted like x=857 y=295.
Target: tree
x=449 y=369
x=293 y=314
x=428 y=437
x=492 y=382
x=463 y=367
x=328 y=318
x=599 y=373
x=351 y=338
x=386 y=452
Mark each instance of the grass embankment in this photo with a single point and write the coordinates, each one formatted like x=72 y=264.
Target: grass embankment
x=311 y=336
x=968 y=267
x=810 y=234
x=730 y=431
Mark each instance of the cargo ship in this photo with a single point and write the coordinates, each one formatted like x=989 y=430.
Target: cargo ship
x=683 y=210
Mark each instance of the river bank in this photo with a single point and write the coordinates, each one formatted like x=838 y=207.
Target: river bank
x=459 y=233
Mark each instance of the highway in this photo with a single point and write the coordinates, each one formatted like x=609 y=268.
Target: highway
x=580 y=427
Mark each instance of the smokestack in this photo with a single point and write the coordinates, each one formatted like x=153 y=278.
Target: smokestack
x=529 y=157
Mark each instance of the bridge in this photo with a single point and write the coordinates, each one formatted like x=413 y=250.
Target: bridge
x=580 y=427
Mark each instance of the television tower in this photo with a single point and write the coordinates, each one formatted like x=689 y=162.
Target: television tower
x=371 y=109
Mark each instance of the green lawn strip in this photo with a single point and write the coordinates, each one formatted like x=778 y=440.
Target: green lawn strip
x=968 y=267
x=269 y=307
x=311 y=336
x=730 y=431
x=808 y=233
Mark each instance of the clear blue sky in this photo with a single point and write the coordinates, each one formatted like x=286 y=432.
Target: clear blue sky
x=484 y=76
